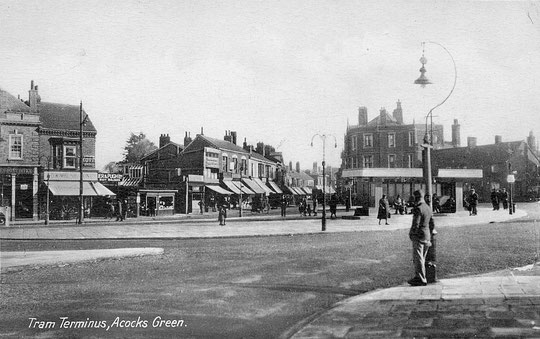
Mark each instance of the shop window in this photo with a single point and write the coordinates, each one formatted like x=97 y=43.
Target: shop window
x=166 y=203
x=70 y=156
x=15 y=146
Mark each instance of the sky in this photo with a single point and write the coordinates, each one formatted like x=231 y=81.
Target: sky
x=278 y=72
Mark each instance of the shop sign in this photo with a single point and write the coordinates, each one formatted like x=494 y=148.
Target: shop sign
x=24 y=187
x=69 y=176
x=89 y=162
x=16 y=170
x=109 y=177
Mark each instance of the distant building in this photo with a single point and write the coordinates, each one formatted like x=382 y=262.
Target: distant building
x=496 y=160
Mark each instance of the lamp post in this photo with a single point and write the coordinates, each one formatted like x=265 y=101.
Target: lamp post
x=47 y=203
x=511 y=179
x=428 y=138
x=82 y=121
x=323 y=138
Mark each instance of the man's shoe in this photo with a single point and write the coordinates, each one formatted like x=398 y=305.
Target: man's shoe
x=416 y=282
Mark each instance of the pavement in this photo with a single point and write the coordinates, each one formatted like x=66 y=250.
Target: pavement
x=499 y=304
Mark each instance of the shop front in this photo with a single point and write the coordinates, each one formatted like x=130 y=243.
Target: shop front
x=18 y=190
x=157 y=202
x=64 y=188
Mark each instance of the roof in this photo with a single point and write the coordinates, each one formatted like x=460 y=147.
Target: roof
x=459 y=173
x=62 y=117
x=223 y=144
x=178 y=147
x=390 y=120
x=9 y=102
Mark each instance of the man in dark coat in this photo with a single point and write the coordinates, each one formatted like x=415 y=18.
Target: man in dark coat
x=495 y=199
x=420 y=236
x=473 y=201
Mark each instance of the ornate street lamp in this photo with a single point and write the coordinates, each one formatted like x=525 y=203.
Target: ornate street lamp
x=323 y=137
x=428 y=138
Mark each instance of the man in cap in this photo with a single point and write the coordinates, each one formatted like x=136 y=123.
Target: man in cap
x=420 y=237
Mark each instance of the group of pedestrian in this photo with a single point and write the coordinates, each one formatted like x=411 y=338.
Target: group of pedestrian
x=499 y=197
x=117 y=209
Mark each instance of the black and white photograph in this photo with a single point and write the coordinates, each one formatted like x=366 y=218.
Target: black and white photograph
x=269 y=169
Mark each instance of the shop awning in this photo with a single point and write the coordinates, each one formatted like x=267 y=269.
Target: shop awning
x=263 y=186
x=275 y=187
x=253 y=186
x=230 y=185
x=290 y=189
x=307 y=190
x=299 y=190
x=328 y=190
x=71 y=188
x=131 y=182
x=244 y=188
x=218 y=189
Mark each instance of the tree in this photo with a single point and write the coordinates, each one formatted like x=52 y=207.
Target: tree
x=111 y=167
x=137 y=146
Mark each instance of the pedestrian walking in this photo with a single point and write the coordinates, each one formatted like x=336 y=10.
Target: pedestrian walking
x=222 y=215
x=201 y=206
x=473 y=201
x=398 y=205
x=495 y=199
x=384 y=210
x=110 y=209
x=333 y=206
x=436 y=203
x=283 y=206
x=420 y=236
x=119 y=210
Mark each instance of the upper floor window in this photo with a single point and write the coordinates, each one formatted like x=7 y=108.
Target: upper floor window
x=243 y=166
x=234 y=164
x=70 y=156
x=353 y=143
x=368 y=161
x=15 y=146
x=391 y=140
x=412 y=138
x=391 y=160
x=410 y=160
x=368 y=140
x=225 y=163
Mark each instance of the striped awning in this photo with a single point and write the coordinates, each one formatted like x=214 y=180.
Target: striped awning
x=130 y=182
x=290 y=189
x=243 y=188
x=263 y=186
x=275 y=187
x=218 y=189
x=253 y=186
x=230 y=185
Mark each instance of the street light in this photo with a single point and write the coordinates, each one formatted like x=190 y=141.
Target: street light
x=82 y=122
x=323 y=137
x=47 y=204
x=428 y=138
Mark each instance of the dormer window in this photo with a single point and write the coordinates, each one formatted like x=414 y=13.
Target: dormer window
x=70 y=156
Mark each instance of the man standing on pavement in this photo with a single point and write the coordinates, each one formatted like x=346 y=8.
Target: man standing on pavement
x=420 y=237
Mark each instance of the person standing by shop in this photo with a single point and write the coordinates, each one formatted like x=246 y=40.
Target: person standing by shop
x=283 y=206
x=420 y=236
x=384 y=210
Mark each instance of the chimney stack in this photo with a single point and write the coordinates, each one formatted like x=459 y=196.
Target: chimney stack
x=187 y=139
x=233 y=136
x=362 y=116
x=398 y=113
x=33 y=97
x=471 y=141
x=456 y=134
x=164 y=139
x=382 y=115
x=498 y=139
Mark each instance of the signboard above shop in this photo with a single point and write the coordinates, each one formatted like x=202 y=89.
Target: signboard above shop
x=109 y=177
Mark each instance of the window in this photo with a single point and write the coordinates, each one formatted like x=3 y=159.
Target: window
x=391 y=161
x=391 y=140
x=260 y=169
x=15 y=146
x=244 y=168
x=368 y=161
x=412 y=138
x=368 y=140
x=353 y=143
x=410 y=160
x=70 y=156
x=235 y=164
x=225 y=163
